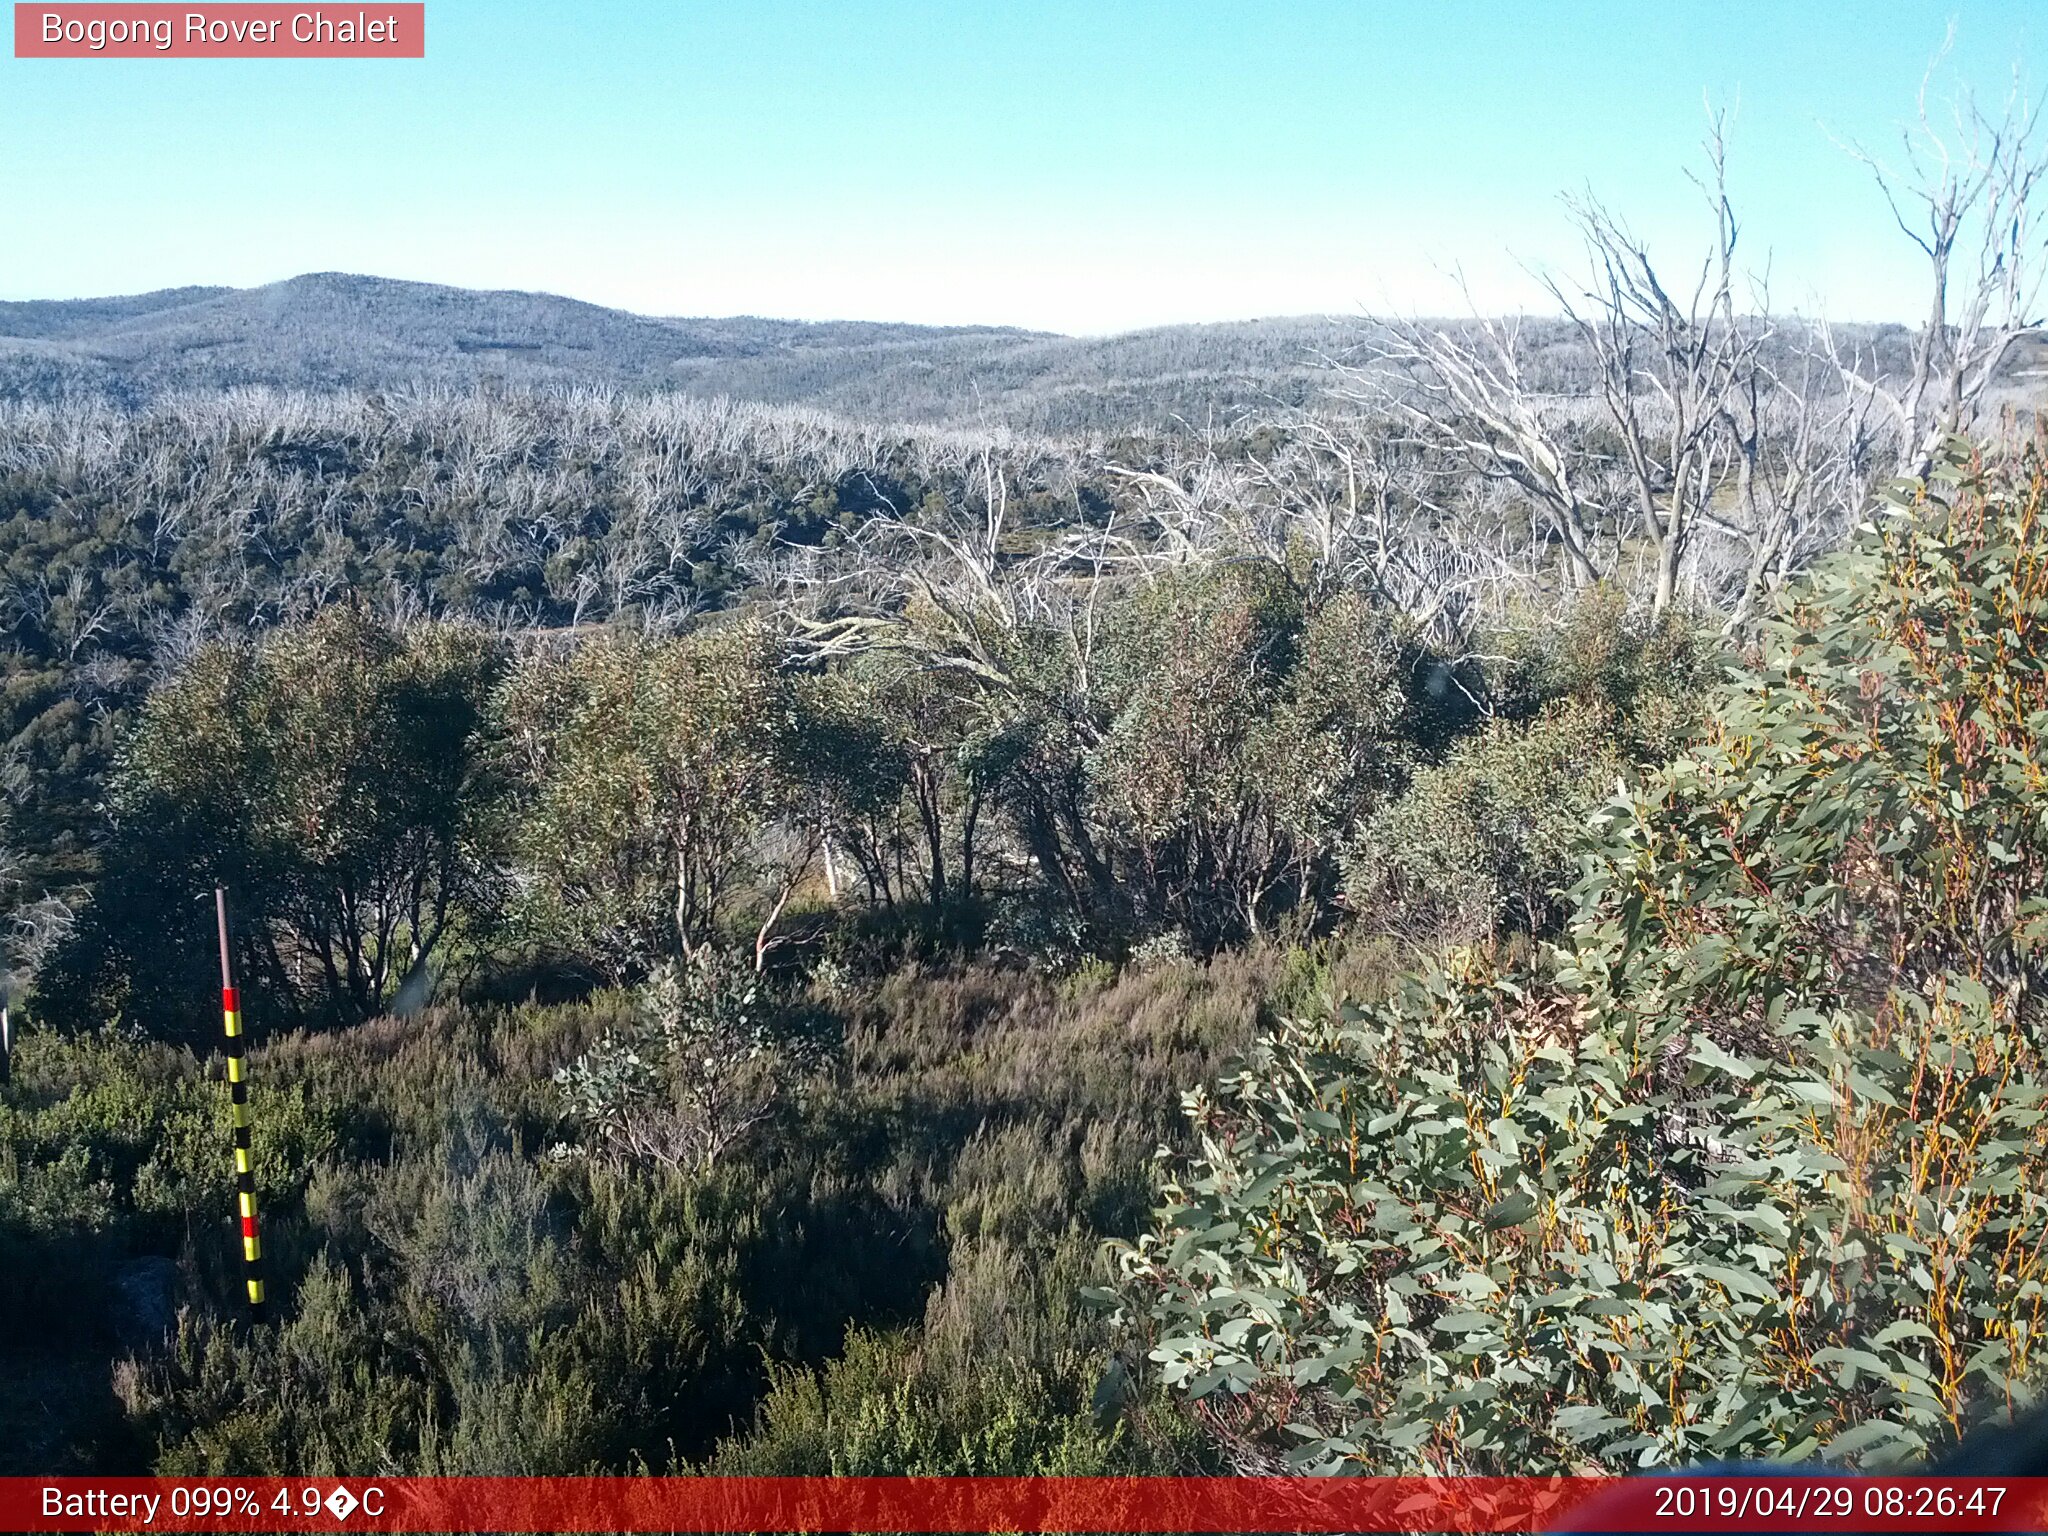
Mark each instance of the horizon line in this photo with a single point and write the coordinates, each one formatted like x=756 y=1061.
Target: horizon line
x=1362 y=316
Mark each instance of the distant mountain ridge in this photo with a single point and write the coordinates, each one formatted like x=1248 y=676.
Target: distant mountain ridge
x=334 y=330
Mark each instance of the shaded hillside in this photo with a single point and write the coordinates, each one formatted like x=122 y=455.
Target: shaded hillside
x=83 y=320
x=336 y=331
x=331 y=330
x=1053 y=384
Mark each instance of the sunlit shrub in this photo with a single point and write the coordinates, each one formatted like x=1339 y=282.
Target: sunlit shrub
x=1489 y=839
x=1754 y=1162
x=1465 y=1232
x=713 y=1055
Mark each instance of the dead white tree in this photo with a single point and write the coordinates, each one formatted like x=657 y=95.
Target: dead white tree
x=1336 y=504
x=1967 y=195
x=951 y=593
x=1462 y=392
x=1669 y=361
x=1805 y=449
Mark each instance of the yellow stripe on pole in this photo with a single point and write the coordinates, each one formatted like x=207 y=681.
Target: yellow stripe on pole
x=256 y=1292
x=246 y=1203
x=241 y=1159
x=252 y=1250
x=234 y=1023
x=234 y=1069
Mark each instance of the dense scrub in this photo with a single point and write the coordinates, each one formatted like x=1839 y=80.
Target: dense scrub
x=1751 y=1161
x=877 y=972
x=461 y=1291
x=813 y=1170
x=397 y=807
x=816 y=978
x=128 y=540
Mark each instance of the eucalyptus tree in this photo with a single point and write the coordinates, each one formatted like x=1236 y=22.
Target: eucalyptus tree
x=334 y=776
x=662 y=792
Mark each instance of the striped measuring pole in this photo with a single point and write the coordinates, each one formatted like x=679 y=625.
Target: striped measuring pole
x=238 y=1092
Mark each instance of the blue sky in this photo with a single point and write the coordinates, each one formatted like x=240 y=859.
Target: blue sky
x=1088 y=166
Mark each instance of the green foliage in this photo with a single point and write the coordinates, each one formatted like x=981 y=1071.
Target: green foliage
x=909 y=762
x=660 y=784
x=1465 y=1232
x=449 y=1297
x=1244 y=733
x=1645 y=675
x=711 y=1057
x=1488 y=839
x=1752 y=1164
x=1864 y=808
x=332 y=777
x=1747 y=1165
x=110 y=1143
x=999 y=1381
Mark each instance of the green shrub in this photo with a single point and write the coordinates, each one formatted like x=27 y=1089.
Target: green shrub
x=1754 y=1162
x=1464 y=1232
x=1002 y=1380
x=713 y=1056
x=1489 y=840
x=447 y=1297
x=1646 y=674
x=660 y=790
x=1486 y=838
x=1246 y=731
x=332 y=776
x=104 y=1131
x=1864 y=806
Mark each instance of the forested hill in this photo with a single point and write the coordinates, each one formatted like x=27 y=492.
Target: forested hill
x=332 y=330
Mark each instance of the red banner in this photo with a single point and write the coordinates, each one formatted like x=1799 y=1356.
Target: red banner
x=922 y=1504
x=365 y=31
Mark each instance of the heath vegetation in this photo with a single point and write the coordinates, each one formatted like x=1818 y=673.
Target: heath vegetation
x=1485 y=920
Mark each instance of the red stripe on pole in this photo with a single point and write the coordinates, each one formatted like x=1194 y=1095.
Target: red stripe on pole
x=1049 y=1504
x=248 y=1226
x=228 y=1001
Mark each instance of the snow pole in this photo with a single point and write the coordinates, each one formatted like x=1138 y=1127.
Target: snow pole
x=238 y=1093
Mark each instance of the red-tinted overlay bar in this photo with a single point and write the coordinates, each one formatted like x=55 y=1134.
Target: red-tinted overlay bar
x=926 y=1504
x=371 y=30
